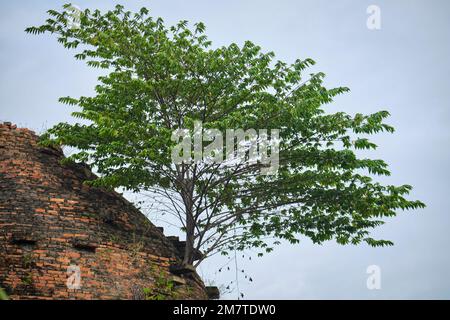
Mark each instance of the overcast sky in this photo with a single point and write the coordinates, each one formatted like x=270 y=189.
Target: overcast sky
x=403 y=67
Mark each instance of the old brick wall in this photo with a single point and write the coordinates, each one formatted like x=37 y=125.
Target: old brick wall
x=52 y=224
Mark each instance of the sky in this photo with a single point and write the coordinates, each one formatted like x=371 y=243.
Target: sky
x=402 y=67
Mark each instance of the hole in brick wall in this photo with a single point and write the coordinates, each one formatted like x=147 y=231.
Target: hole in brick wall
x=24 y=242
x=181 y=269
x=84 y=247
x=50 y=151
x=110 y=221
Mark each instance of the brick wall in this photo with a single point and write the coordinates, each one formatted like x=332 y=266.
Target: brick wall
x=53 y=228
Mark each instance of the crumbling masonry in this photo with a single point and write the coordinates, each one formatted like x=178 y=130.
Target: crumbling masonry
x=61 y=239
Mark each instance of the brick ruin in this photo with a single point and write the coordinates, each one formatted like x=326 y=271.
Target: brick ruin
x=61 y=239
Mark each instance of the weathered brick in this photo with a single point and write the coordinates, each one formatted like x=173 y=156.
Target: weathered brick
x=45 y=221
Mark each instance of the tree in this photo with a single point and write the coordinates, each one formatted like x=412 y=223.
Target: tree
x=161 y=79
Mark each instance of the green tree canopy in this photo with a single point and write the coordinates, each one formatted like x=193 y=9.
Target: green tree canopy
x=160 y=79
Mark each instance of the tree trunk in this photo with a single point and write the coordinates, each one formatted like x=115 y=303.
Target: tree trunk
x=190 y=228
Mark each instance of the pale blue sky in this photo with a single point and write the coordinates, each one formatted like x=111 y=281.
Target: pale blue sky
x=404 y=67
